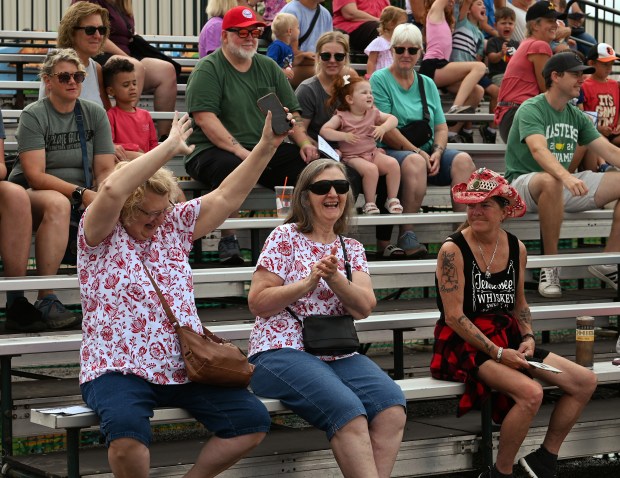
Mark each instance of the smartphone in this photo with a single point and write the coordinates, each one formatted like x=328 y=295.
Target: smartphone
x=279 y=123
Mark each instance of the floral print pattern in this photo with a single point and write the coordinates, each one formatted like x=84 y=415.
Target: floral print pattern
x=290 y=254
x=125 y=329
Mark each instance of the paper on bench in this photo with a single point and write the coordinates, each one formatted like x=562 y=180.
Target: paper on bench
x=74 y=410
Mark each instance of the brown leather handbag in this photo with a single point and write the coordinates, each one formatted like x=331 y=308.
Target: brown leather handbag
x=208 y=358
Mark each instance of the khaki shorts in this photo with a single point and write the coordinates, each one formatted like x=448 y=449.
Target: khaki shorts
x=571 y=203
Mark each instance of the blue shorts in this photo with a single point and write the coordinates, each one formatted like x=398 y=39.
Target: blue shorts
x=327 y=395
x=444 y=177
x=124 y=404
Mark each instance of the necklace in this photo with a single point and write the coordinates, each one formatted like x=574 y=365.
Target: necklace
x=487 y=274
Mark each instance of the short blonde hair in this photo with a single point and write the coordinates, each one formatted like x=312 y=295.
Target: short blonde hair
x=389 y=16
x=217 y=8
x=72 y=18
x=163 y=182
x=281 y=24
x=56 y=56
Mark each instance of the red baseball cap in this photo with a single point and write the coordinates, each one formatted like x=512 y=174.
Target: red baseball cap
x=240 y=17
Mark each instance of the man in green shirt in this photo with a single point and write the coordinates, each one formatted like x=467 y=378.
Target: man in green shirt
x=539 y=163
x=221 y=98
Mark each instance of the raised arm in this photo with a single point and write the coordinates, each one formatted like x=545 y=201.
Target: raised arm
x=217 y=205
x=105 y=209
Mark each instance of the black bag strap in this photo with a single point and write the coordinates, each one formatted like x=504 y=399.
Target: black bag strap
x=305 y=36
x=347 y=268
x=79 y=119
x=425 y=114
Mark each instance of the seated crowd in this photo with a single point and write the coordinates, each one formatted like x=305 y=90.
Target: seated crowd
x=102 y=174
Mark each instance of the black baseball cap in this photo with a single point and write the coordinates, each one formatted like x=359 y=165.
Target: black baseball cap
x=565 y=61
x=541 y=10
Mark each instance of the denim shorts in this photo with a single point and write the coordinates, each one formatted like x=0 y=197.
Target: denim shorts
x=327 y=395
x=443 y=177
x=124 y=404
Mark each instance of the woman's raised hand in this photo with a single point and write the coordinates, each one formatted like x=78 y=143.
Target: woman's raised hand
x=179 y=132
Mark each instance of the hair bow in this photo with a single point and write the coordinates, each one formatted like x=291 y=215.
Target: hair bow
x=346 y=79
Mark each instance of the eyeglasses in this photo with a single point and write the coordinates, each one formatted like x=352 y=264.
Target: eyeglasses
x=156 y=214
x=65 y=77
x=321 y=188
x=91 y=30
x=326 y=56
x=244 y=32
x=412 y=50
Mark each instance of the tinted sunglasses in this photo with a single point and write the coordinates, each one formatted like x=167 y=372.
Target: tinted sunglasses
x=412 y=50
x=323 y=187
x=244 y=32
x=65 y=77
x=326 y=56
x=91 y=30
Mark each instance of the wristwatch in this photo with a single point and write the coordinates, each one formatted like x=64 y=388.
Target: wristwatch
x=76 y=195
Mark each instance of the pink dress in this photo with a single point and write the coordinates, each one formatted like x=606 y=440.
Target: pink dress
x=366 y=146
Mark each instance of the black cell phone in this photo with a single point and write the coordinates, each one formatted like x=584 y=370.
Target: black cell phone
x=279 y=123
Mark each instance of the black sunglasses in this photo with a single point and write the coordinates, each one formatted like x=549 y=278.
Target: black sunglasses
x=244 y=32
x=91 y=30
x=412 y=50
x=323 y=187
x=326 y=56
x=65 y=77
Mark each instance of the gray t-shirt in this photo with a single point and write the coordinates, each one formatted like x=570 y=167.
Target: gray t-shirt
x=304 y=17
x=312 y=98
x=42 y=127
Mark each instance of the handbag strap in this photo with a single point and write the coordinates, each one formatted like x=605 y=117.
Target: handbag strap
x=79 y=119
x=305 y=36
x=172 y=318
x=425 y=114
x=347 y=268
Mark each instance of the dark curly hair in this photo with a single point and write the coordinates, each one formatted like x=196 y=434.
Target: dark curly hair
x=113 y=67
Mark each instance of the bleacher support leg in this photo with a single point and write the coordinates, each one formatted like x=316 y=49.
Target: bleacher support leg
x=7 y=406
x=486 y=443
x=399 y=359
x=73 y=452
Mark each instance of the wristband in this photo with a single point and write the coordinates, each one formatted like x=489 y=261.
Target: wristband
x=525 y=336
x=305 y=142
x=500 y=351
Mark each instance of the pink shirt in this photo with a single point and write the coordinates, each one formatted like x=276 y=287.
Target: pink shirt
x=520 y=83
x=133 y=131
x=125 y=328
x=290 y=254
x=372 y=7
x=438 y=41
x=364 y=127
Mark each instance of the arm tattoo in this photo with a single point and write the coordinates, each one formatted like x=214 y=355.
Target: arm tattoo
x=234 y=141
x=525 y=317
x=299 y=122
x=471 y=329
x=448 y=277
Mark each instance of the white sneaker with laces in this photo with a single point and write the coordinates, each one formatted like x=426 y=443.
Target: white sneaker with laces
x=606 y=273
x=549 y=283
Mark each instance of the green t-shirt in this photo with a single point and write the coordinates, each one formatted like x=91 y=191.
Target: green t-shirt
x=215 y=86
x=42 y=127
x=564 y=130
x=390 y=97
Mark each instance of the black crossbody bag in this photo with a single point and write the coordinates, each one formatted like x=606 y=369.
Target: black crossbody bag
x=329 y=334
x=419 y=132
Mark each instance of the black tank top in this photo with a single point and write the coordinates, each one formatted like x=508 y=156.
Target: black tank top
x=482 y=295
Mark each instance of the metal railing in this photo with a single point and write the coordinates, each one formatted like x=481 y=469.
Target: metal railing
x=603 y=24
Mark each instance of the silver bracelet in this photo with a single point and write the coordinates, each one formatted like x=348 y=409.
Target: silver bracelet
x=500 y=351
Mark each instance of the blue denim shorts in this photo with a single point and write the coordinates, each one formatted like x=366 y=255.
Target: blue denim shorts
x=444 y=177
x=124 y=404
x=327 y=395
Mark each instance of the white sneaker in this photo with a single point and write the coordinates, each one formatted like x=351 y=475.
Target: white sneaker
x=608 y=274
x=549 y=283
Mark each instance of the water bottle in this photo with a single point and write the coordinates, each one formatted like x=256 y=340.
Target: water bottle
x=584 y=343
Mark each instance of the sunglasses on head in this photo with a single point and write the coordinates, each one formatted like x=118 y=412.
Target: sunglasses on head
x=326 y=56
x=244 y=32
x=323 y=187
x=412 y=50
x=91 y=30
x=65 y=77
